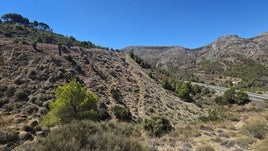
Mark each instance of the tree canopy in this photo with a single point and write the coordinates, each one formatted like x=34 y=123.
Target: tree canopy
x=19 y=19
x=15 y=18
x=239 y=97
x=41 y=26
x=73 y=102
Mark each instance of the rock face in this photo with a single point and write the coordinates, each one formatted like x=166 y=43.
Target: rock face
x=226 y=48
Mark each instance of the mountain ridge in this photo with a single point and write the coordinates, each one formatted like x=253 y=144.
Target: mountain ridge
x=147 y=52
x=213 y=60
x=224 y=38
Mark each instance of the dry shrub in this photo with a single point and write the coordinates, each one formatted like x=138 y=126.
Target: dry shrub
x=205 y=148
x=262 y=145
x=88 y=135
x=257 y=129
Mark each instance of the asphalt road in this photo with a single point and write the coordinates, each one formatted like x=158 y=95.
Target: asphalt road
x=223 y=89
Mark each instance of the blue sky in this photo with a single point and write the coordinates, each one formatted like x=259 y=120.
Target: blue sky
x=121 y=23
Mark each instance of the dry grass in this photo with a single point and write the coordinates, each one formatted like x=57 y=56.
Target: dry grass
x=185 y=133
x=5 y=122
x=245 y=141
x=257 y=128
x=206 y=147
x=261 y=145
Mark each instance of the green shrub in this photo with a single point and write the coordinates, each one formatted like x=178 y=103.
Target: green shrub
x=121 y=113
x=184 y=92
x=139 y=60
x=103 y=114
x=242 y=97
x=3 y=88
x=32 y=73
x=10 y=91
x=232 y=96
x=88 y=135
x=6 y=137
x=1 y=94
x=220 y=100
x=150 y=74
x=216 y=114
x=157 y=126
x=23 y=42
x=166 y=85
x=3 y=101
x=22 y=96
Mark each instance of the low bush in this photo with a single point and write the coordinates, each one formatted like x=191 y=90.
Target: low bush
x=220 y=100
x=22 y=96
x=88 y=135
x=6 y=137
x=205 y=148
x=216 y=114
x=103 y=114
x=32 y=73
x=262 y=145
x=116 y=94
x=3 y=101
x=257 y=129
x=3 y=88
x=121 y=113
x=157 y=126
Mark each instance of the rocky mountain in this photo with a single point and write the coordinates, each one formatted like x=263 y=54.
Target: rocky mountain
x=223 y=48
x=222 y=55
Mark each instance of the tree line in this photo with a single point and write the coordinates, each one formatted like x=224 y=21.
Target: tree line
x=14 y=18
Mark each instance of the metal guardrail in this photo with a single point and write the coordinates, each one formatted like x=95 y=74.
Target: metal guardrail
x=223 y=89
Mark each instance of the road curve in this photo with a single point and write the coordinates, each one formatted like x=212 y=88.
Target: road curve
x=223 y=89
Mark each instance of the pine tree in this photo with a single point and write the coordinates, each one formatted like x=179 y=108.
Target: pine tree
x=73 y=102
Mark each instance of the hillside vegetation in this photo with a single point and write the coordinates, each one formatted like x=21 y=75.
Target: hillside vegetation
x=33 y=67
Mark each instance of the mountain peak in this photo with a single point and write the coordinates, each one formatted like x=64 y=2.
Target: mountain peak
x=264 y=34
x=227 y=38
x=224 y=40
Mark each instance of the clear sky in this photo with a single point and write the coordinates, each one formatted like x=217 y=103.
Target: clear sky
x=121 y=23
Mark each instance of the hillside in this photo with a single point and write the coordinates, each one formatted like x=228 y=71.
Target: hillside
x=30 y=74
x=38 y=73
x=217 y=62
